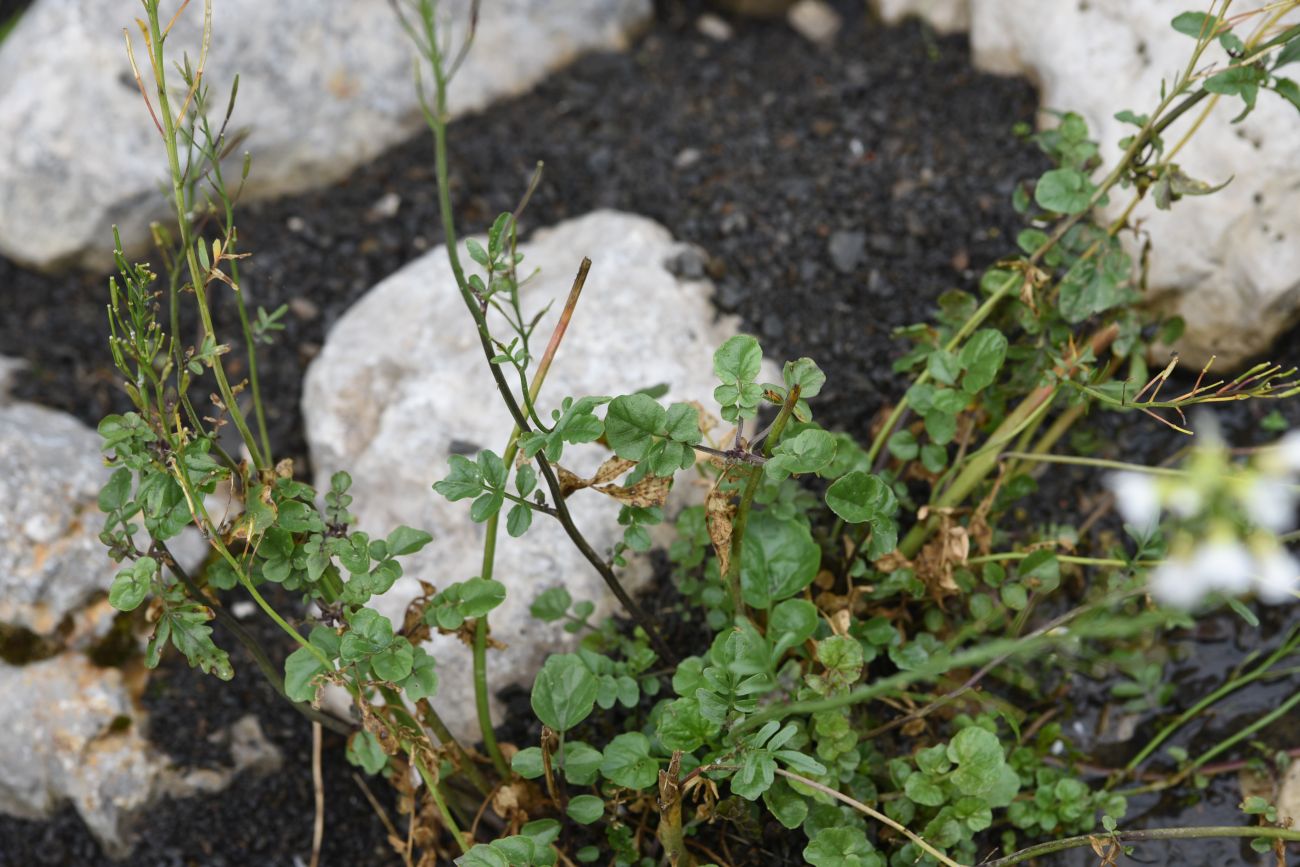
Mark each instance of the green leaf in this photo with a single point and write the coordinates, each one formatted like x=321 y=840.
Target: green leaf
x=395 y=661
x=809 y=452
x=841 y=847
x=1041 y=570
x=1064 y=191
x=365 y=752
x=405 y=540
x=739 y=360
x=564 y=693
x=757 y=771
x=628 y=763
x=116 y=491
x=788 y=806
x=1195 y=24
x=585 y=809
x=486 y=506
x=581 y=762
x=423 y=681
x=370 y=632
x=792 y=623
x=300 y=668
x=631 y=422
x=527 y=763
x=779 y=559
x=804 y=373
x=476 y=252
x=902 y=445
x=131 y=585
x=1285 y=87
x=934 y=457
x=1014 y=596
x=861 y=497
x=483 y=855
x=478 y=596
x=682 y=424
x=681 y=726
x=518 y=520
x=944 y=366
x=982 y=358
x=463 y=482
x=924 y=790
x=551 y=604
x=978 y=756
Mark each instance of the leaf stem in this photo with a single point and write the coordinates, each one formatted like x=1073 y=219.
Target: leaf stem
x=1207 y=832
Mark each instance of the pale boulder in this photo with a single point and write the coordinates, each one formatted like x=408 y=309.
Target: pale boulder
x=324 y=87
x=1228 y=263
x=402 y=382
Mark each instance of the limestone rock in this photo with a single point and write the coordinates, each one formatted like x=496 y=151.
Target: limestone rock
x=324 y=87
x=72 y=733
x=1229 y=263
x=401 y=383
x=51 y=559
x=945 y=16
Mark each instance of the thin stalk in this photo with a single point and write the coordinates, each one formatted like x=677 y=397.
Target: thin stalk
x=1161 y=118
x=431 y=718
x=741 y=521
x=982 y=462
x=1102 y=463
x=1288 y=647
x=198 y=279
x=481 y=697
x=260 y=657
x=1208 y=832
x=1005 y=647
x=875 y=814
x=433 y=785
x=1064 y=558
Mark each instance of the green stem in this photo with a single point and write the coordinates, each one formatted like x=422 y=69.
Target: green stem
x=1065 y=558
x=435 y=792
x=1289 y=646
x=198 y=279
x=741 y=520
x=1208 y=832
x=1008 y=647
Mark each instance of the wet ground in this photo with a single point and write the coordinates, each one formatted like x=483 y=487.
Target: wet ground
x=761 y=149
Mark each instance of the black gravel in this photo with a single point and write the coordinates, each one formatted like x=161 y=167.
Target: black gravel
x=835 y=191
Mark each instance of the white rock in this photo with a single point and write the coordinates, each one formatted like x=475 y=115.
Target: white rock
x=814 y=20
x=51 y=559
x=1229 y=263
x=945 y=16
x=402 y=376
x=52 y=564
x=324 y=87
x=73 y=734
x=712 y=26
x=1288 y=796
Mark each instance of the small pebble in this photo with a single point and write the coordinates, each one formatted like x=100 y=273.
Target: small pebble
x=814 y=20
x=686 y=158
x=385 y=208
x=847 y=250
x=712 y=26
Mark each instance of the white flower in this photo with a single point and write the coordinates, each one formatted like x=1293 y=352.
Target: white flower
x=1223 y=565
x=1174 y=583
x=1185 y=501
x=1288 y=450
x=1270 y=503
x=1277 y=577
x=1137 y=498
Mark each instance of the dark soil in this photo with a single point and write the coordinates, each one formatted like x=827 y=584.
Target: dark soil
x=759 y=149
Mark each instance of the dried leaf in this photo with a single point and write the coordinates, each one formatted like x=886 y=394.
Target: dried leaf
x=611 y=470
x=707 y=420
x=719 y=514
x=569 y=482
x=650 y=491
